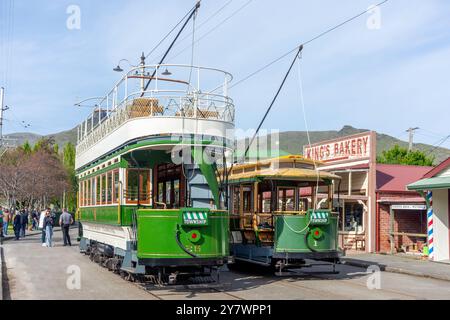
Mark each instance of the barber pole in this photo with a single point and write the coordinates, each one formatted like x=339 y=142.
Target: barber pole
x=430 y=225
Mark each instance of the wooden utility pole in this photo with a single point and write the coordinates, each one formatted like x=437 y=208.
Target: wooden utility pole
x=411 y=136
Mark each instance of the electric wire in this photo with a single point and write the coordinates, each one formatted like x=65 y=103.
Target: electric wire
x=170 y=32
x=307 y=42
x=212 y=29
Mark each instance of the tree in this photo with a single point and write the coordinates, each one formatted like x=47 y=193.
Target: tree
x=399 y=155
x=69 y=163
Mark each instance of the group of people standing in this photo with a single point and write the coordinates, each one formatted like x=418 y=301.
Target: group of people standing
x=44 y=221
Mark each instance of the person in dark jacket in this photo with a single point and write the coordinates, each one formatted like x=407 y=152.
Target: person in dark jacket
x=17 y=225
x=23 y=222
x=48 y=227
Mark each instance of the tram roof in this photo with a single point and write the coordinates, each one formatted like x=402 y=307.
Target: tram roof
x=275 y=170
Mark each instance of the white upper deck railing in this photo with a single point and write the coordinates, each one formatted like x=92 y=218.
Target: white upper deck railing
x=168 y=90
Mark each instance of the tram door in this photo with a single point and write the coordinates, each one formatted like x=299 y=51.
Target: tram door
x=171 y=185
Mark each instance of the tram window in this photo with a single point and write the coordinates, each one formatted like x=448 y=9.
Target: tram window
x=161 y=192
x=116 y=186
x=176 y=193
x=132 y=185
x=236 y=199
x=92 y=199
x=302 y=204
x=109 y=187
x=99 y=190
x=286 y=199
x=104 y=187
x=247 y=199
x=266 y=201
x=168 y=192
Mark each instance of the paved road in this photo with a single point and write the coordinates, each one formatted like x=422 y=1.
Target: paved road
x=36 y=272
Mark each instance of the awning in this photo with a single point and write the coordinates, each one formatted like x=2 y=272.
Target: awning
x=430 y=183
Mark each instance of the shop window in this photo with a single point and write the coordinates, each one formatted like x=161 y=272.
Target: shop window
x=353 y=217
x=286 y=199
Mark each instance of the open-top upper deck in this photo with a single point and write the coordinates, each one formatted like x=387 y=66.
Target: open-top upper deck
x=170 y=98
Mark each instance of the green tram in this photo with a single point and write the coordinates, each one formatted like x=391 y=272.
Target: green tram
x=281 y=213
x=149 y=201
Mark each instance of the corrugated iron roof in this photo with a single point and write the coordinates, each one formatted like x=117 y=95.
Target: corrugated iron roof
x=395 y=177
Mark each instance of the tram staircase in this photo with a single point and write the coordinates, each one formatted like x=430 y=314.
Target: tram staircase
x=199 y=190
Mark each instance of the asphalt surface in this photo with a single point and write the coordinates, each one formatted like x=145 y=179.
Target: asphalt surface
x=39 y=273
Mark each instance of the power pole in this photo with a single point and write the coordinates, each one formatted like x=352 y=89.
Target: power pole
x=411 y=136
x=2 y=98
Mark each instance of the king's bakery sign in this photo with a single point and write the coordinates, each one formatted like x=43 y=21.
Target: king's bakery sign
x=347 y=148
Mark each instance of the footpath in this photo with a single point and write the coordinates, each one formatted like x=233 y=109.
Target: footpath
x=401 y=264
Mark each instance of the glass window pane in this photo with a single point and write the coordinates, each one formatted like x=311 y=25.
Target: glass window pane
x=286 y=199
x=109 y=187
x=132 y=185
x=116 y=186
x=353 y=219
x=176 y=193
x=99 y=190
x=144 y=186
x=266 y=201
x=104 y=188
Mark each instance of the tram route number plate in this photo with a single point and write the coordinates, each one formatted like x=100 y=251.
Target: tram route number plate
x=319 y=217
x=195 y=218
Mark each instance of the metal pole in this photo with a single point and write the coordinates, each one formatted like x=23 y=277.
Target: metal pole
x=411 y=137
x=2 y=97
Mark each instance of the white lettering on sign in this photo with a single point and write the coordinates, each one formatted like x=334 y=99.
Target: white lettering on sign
x=348 y=148
x=409 y=207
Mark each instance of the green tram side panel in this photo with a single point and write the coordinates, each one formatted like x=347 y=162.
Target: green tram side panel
x=292 y=232
x=108 y=215
x=157 y=231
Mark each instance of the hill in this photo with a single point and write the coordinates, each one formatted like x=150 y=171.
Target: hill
x=290 y=142
x=61 y=138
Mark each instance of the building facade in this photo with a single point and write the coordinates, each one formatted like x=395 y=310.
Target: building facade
x=435 y=186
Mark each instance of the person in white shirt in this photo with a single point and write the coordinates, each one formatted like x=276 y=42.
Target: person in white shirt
x=41 y=225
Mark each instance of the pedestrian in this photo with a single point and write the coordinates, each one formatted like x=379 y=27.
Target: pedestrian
x=35 y=220
x=48 y=226
x=24 y=222
x=6 y=220
x=41 y=225
x=65 y=220
x=17 y=225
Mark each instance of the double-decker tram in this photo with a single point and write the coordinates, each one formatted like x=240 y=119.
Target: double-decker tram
x=281 y=213
x=146 y=159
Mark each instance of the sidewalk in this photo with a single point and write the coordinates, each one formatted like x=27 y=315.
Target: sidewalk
x=400 y=264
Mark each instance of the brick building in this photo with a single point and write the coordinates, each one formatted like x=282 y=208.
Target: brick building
x=401 y=219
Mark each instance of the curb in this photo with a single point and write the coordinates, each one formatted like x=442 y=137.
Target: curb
x=395 y=270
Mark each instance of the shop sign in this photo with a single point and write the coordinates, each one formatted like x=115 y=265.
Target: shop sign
x=408 y=207
x=347 y=148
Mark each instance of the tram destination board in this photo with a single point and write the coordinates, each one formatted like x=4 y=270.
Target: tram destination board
x=197 y=217
x=319 y=217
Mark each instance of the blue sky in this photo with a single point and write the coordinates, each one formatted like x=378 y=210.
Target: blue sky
x=386 y=79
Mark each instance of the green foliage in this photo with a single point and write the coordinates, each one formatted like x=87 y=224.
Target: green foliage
x=68 y=159
x=26 y=147
x=399 y=155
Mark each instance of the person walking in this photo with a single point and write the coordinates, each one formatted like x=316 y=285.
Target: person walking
x=17 y=225
x=48 y=226
x=34 y=220
x=41 y=225
x=24 y=222
x=65 y=220
x=6 y=220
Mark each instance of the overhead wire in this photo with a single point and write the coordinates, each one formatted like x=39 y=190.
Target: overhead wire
x=212 y=29
x=307 y=42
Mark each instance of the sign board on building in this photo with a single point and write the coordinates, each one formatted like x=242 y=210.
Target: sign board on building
x=354 y=147
x=409 y=207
